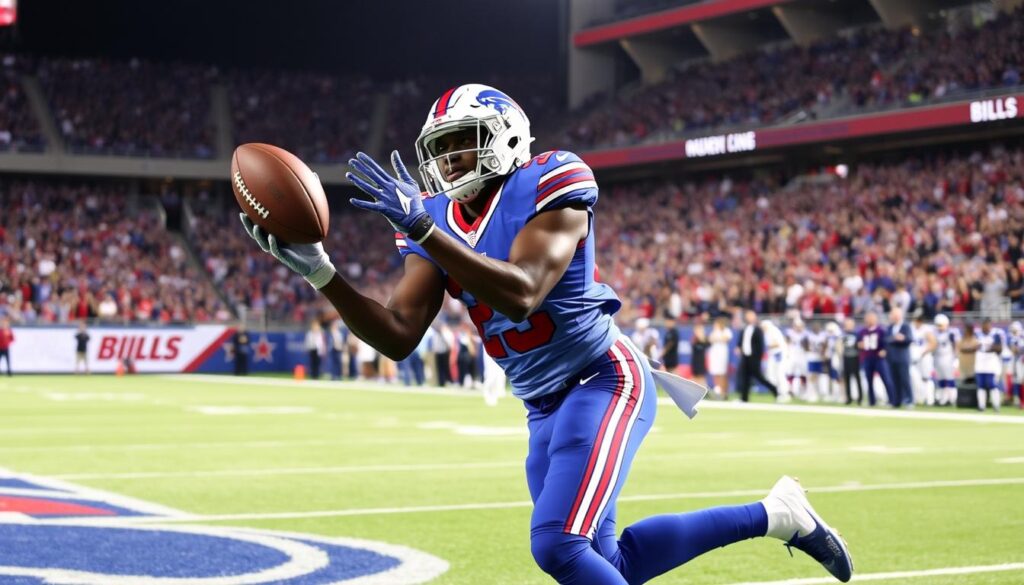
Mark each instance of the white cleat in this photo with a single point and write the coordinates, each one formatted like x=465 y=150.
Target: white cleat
x=791 y=518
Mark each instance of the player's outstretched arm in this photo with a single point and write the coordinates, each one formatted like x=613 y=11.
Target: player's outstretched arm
x=394 y=330
x=539 y=256
x=397 y=328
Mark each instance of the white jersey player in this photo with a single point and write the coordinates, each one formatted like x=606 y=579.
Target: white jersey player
x=776 y=366
x=1016 y=346
x=988 y=363
x=947 y=342
x=797 y=342
x=922 y=362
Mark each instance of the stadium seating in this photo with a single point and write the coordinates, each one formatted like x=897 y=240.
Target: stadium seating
x=70 y=251
x=131 y=108
x=321 y=118
x=19 y=129
x=871 y=69
x=361 y=247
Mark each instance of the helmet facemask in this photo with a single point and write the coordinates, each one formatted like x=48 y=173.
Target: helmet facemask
x=488 y=163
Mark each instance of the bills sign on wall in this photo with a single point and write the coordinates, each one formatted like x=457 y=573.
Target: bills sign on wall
x=203 y=348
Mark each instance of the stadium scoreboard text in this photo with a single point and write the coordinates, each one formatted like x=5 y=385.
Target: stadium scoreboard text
x=721 y=144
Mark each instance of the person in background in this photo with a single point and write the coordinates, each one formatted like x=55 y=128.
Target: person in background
x=1016 y=341
x=336 y=350
x=82 y=348
x=987 y=364
x=851 y=361
x=922 y=362
x=946 y=341
x=646 y=338
x=871 y=343
x=817 y=363
x=411 y=368
x=670 y=348
x=775 y=368
x=699 y=352
x=6 y=339
x=240 y=345
x=352 y=345
x=968 y=351
x=751 y=351
x=798 y=343
x=897 y=355
x=718 y=356
x=440 y=346
x=316 y=347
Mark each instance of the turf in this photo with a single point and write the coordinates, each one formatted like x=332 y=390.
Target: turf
x=355 y=448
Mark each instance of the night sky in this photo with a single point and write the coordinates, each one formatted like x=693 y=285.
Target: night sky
x=385 y=38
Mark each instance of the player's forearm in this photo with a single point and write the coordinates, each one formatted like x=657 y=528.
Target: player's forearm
x=503 y=286
x=381 y=327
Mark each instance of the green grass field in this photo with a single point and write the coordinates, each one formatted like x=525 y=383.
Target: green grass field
x=909 y=494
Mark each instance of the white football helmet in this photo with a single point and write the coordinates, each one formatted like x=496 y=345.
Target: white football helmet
x=502 y=131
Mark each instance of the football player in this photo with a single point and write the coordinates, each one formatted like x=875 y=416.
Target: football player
x=1017 y=363
x=922 y=363
x=988 y=364
x=512 y=237
x=797 y=341
x=947 y=340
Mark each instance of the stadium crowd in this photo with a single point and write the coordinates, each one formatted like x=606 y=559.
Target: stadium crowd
x=258 y=286
x=69 y=251
x=941 y=233
x=19 y=129
x=131 y=108
x=321 y=118
x=869 y=69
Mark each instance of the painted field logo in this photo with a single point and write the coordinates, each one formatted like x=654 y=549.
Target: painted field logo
x=56 y=533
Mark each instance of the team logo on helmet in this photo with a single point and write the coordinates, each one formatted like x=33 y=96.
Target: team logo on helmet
x=493 y=98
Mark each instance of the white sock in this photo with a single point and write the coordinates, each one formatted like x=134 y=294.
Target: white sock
x=997 y=398
x=981 y=399
x=782 y=522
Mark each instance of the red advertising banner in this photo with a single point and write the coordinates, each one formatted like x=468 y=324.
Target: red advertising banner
x=8 y=12
x=981 y=111
x=656 y=21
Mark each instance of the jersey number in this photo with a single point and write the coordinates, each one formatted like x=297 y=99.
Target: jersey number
x=540 y=332
x=871 y=342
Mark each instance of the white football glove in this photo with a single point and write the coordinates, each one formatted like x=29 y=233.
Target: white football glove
x=310 y=261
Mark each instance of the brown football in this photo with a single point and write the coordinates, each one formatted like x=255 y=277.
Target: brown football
x=279 y=193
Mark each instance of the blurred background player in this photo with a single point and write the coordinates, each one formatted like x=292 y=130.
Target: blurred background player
x=798 y=346
x=240 y=353
x=988 y=363
x=6 y=339
x=670 y=347
x=947 y=340
x=647 y=338
x=834 y=361
x=850 y=361
x=922 y=362
x=751 y=352
x=871 y=342
x=775 y=365
x=718 y=356
x=82 y=349
x=699 y=345
x=897 y=356
x=1016 y=342
x=817 y=362
x=315 y=348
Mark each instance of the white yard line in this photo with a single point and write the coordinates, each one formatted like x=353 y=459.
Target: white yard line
x=323 y=384
x=892 y=575
x=752 y=493
x=877 y=412
x=291 y=470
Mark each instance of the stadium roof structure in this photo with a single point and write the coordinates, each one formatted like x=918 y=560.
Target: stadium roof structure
x=727 y=27
x=996 y=113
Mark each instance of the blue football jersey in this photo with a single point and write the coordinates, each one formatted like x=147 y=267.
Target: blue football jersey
x=574 y=325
